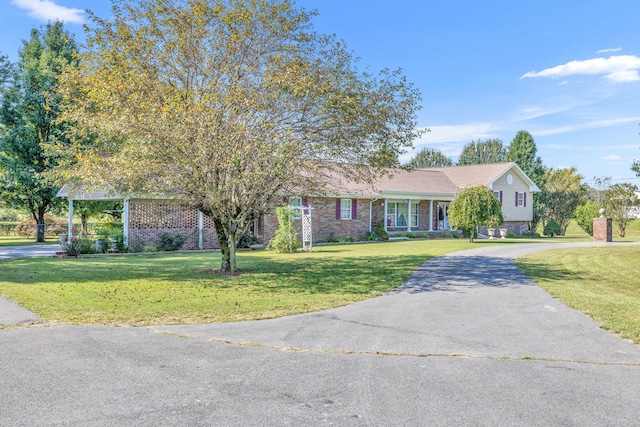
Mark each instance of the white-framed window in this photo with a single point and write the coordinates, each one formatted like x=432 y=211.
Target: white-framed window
x=398 y=214
x=521 y=199
x=345 y=208
x=296 y=202
x=415 y=213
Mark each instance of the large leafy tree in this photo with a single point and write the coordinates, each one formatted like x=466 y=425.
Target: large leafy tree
x=228 y=104
x=620 y=201
x=29 y=109
x=564 y=191
x=523 y=151
x=475 y=206
x=482 y=151
x=430 y=158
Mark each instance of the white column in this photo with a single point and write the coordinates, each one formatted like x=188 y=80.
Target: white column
x=430 y=215
x=384 y=220
x=408 y=214
x=70 y=232
x=125 y=222
x=200 y=229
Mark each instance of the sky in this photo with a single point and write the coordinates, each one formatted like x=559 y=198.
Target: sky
x=567 y=71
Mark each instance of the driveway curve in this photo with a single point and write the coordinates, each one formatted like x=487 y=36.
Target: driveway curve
x=467 y=340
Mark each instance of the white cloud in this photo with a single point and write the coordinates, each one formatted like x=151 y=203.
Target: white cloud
x=619 y=69
x=588 y=125
x=612 y=158
x=529 y=112
x=615 y=49
x=47 y=10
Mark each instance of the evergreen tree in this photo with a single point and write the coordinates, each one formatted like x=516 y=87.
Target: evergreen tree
x=28 y=113
x=523 y=152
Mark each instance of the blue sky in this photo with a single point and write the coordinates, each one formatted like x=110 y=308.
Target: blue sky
x=567 y=71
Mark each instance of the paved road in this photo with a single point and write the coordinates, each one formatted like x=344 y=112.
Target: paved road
x=9 y=252
x=468 y=340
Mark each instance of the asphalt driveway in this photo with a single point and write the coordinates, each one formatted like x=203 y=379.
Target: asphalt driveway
x=468 y=340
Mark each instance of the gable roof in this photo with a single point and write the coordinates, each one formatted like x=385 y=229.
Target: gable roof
x=483 y=174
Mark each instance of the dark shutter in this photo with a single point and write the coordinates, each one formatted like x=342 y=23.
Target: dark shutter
x=516 y=199
x=354 y=208
x=500 y=197
x=525 y=199
x=305 y=204
x=337 y=208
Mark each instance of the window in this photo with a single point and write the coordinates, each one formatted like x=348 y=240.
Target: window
x=521 y=199
x=498 y=195
x=296 y=202
x=345 y=208
x=398 y=214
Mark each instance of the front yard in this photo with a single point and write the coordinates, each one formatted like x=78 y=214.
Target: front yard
x=183 y=288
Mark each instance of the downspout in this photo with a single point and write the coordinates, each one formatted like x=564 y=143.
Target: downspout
x=371 y=211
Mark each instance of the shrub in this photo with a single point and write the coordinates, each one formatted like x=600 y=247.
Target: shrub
x=585 y=214
x=381 y=232
x=350 y=239
x=421 y=235
x=247 y=239
x=53 y=226
x=552 y=229
x=332 y=239
x=79 y=246
x=371 y=235
x=170 y=242
x=410 y=235
x=286 y=238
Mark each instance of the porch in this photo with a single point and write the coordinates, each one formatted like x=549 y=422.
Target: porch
x=412 y=215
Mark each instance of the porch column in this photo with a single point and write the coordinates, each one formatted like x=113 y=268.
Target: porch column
x=431 y=215
x=408 y=214
x=70 y=232
x=384 y=220
x=125 y=222
x=200 y=227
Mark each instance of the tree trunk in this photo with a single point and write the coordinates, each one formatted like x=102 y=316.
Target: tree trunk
x=224 y=246
x=40 y=227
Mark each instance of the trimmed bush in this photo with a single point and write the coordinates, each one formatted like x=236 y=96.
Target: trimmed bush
x=552 y=229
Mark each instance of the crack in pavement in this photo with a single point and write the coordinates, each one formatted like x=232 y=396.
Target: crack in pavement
x=387 y=353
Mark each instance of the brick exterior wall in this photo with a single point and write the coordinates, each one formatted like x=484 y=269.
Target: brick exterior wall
x=602 y=230
x=323 y=221
x=150 y=218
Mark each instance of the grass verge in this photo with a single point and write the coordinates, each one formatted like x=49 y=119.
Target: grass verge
x=182 y=288
x=602 y=282
x=25 y=241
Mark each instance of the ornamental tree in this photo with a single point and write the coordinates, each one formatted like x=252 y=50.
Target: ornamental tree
x=227 y=104
x=475 y=206
x=620 y=201
x=564 y=191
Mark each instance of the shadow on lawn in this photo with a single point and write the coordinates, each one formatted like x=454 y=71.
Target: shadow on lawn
x=352 y=275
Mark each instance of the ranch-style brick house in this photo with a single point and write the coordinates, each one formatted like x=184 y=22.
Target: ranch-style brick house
x=415 y=201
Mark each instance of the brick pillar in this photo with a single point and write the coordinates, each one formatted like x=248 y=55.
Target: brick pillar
x=602 y=229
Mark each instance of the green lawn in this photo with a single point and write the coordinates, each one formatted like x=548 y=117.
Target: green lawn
x=25 y=241
x=602 y=282
x=182 y=288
